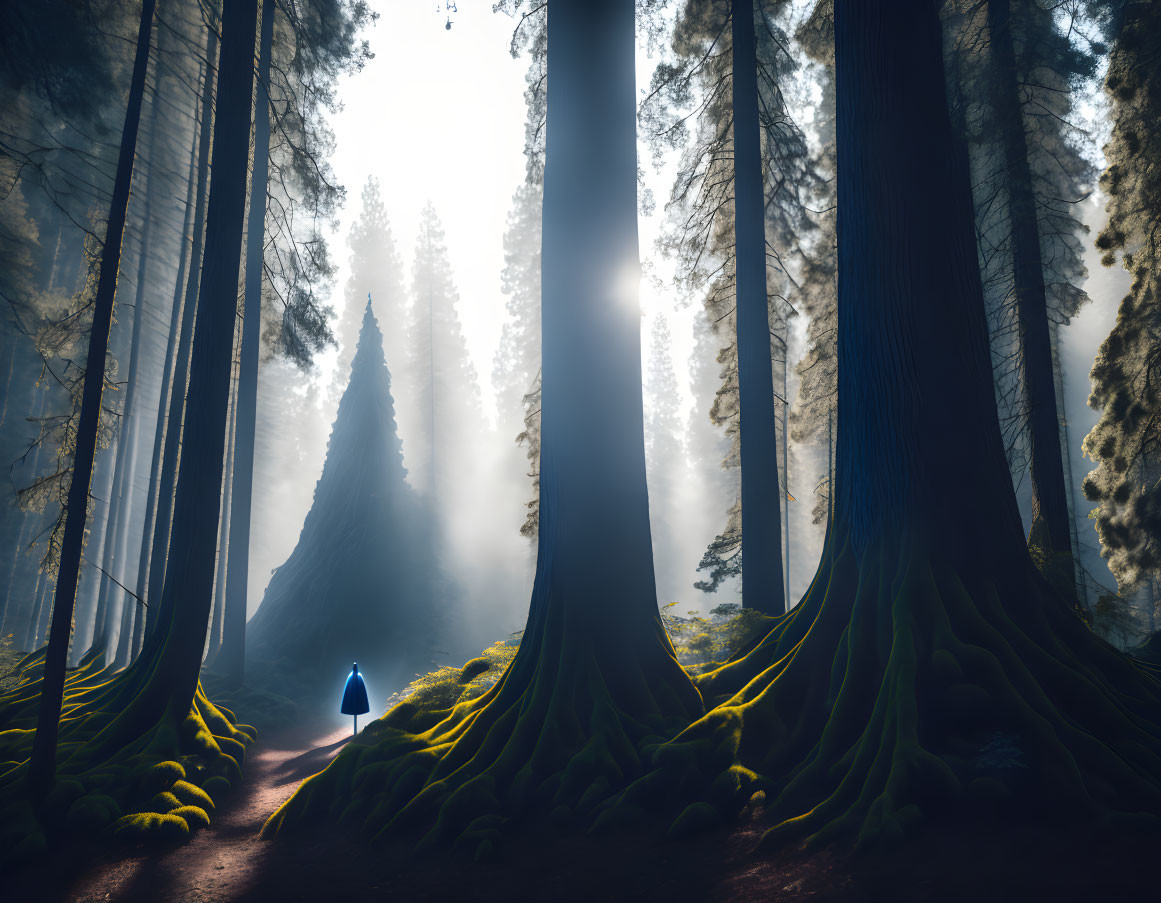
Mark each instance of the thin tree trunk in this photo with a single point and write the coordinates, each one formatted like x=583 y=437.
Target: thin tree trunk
x=762 y=584
x=163 y=525
x=224 y=530
x=43 y=762
x=1050 y=521
x=232 y=659
x=130 y=419
x=40 y=399
x=32 y=632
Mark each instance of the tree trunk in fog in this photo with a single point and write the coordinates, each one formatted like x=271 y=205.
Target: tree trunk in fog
x=231 y=661
x=32 y=631
x=130 y=419
x=224 y=530
x=173 y=651
x=163 y=524
x=1051 y=534
x=43 y=761
x=167 y=376
x=40 y=398
x=762 y=583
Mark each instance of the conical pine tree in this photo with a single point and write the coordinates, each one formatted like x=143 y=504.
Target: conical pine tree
x=357 y=585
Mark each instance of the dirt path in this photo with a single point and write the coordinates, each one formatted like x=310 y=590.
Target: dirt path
x=221 y=862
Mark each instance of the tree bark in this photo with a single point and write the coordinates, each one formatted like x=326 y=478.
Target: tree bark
x=43 y=763
x=231 y=660
x=762 y=574
x=1051 y=534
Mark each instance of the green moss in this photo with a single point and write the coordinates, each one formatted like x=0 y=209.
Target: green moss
x=190 y=795
x=216 y=786
x=145 y=827
x=160 y=777
x=164 y=802
x=194 y=816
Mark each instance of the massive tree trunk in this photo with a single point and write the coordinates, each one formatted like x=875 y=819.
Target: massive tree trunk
x=762 y=584
x=930 y=666
x=175 y=419
x=43 y=762
x=231 y=660
x=595 y=678
x=1051 y=536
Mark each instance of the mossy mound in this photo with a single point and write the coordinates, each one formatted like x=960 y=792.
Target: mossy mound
x=150 y=827
x=109 y=764
x=941 y=693
x=498 y=753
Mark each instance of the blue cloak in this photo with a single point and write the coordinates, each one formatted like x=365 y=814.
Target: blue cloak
x=355 y=694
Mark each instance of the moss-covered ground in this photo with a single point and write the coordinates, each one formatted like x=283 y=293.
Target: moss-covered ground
x=129 y=785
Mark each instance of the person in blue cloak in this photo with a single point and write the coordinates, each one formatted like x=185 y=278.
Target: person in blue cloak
x=355 y=696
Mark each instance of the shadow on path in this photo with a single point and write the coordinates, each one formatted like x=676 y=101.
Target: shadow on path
x=221 y=862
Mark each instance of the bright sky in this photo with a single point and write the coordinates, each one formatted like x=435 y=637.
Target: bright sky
x=438 y=115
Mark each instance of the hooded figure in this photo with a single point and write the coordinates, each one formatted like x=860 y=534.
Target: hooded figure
x=355 y=696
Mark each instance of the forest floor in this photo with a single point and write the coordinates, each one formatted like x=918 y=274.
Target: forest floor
x=229 y=863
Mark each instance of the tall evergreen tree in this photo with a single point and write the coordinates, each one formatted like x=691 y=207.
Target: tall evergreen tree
x=1013 y=75
x=233 y=602
x=358 y=584
x=595 y=677
x=375 y=269
x=444 y=411
x=665 y=465
x=692 y=97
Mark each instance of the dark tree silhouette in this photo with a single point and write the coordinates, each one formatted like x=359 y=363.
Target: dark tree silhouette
x=595 y=679
x=231 y=658
x=762 y=585
x=358 y=585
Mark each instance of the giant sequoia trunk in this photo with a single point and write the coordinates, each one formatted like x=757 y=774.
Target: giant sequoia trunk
x=231 y=660
x=929 y=664
x=595 y=678
x=762 y=584
x=1051 y=534
x=44 y=748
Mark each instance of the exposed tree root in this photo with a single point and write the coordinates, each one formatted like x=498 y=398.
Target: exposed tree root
x=944 y=690
x=565 y=727
x=135 y=776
